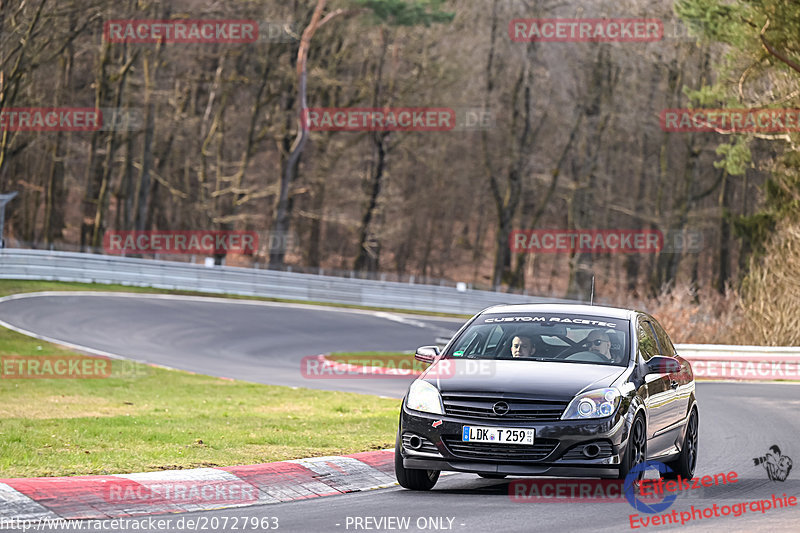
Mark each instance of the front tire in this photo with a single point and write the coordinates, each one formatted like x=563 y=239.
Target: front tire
x=636 y=450
x=685 y=464
x=411 y=478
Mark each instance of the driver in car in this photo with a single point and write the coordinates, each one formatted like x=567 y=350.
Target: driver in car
x=599 y=343
x=522 y=346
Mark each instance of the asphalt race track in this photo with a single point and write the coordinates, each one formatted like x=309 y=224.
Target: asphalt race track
x=265 y=342
x=261 y=342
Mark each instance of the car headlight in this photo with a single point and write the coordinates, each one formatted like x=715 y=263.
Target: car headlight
x=598 y=403
x=422 y=396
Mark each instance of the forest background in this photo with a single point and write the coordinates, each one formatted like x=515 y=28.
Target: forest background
x=551 y=135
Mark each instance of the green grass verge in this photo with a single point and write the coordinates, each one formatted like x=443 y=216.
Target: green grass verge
x=143 y=418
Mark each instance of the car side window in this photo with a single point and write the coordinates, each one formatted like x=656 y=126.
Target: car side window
x=469 y=345
x=494 y=338
x=648 y=346
x=663 y=339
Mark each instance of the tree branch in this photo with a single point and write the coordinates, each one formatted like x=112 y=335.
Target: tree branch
x=772 y=50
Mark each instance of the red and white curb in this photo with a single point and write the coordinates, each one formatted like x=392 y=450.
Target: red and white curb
x=176 y=491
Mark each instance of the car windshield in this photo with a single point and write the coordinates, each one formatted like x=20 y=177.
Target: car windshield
x=556 y=337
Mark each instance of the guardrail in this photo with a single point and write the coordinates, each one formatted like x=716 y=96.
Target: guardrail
x=95 y=268
x=709 y=361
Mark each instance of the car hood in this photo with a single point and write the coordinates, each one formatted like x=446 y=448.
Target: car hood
x=539 y=378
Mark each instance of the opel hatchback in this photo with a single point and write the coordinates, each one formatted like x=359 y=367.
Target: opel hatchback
x=549 y=390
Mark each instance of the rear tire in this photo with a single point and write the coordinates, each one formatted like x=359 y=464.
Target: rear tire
x=636 y=450
x=685 y=464
x=411 y=478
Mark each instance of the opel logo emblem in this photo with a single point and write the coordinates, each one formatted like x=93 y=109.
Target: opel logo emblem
x=500 y=408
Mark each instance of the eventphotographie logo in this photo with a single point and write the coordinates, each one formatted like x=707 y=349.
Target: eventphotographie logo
x=632 y=482
x=777 y=465
x=641 y=492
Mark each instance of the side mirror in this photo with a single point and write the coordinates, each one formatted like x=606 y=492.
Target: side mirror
x=659 y=364
x=427 y=354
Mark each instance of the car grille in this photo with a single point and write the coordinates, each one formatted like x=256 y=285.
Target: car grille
x=521 y=409
x=499 y=452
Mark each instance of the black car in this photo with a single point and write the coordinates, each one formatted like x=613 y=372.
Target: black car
x=549 y=390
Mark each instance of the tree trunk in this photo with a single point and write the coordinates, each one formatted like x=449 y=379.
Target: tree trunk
x=724 y=258
x=368 y=249
x=368 y=257
x=289 y=170
x=111 y=149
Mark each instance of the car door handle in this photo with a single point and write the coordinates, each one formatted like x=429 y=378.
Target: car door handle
x=673 y=384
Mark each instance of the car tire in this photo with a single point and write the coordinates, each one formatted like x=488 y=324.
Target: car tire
x=685 y=464
x=636 y=449
x=411 y=478
x=493 y=476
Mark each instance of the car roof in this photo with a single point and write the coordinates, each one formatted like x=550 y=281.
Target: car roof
x=577 y=309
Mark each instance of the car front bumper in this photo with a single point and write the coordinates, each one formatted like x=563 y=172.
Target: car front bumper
x=558 y=446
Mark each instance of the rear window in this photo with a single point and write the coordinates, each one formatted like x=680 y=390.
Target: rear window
x=554 y=337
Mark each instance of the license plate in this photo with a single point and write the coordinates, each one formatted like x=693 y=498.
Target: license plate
x=497 y=435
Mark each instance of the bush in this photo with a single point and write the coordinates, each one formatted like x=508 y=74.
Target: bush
x=770 y=295
x=705 y=317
